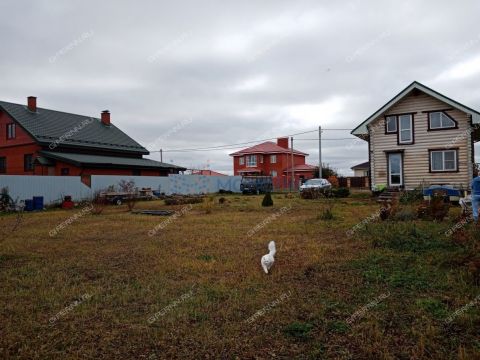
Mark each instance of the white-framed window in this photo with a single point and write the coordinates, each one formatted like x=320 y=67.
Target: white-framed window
x=443 y=160
x=391 y=124
x=273 y=159
x=405 y=129
x=440 y=120
x=273 y=173
x=251 y=160
x=241 y=160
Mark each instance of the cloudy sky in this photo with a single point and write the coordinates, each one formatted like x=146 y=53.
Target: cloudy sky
x=198 y=74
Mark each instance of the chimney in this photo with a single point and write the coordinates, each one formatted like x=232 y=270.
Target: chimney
x=283 y=142
x=106 y=117
x=32 y=103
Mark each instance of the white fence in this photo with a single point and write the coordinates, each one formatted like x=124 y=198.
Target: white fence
x=54 y=188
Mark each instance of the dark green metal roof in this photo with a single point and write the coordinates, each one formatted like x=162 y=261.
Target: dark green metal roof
x=109 y=161
x=47 y=126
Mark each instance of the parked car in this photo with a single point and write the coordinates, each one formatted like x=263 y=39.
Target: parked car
x=315 y=184
x=256 y=184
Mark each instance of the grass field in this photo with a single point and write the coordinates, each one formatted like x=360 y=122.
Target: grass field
x=103 y=288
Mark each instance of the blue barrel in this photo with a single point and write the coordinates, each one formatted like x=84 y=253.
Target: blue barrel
x=28 y=205
x=38 y=203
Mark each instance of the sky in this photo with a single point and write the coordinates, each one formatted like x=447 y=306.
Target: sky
x=197 y=74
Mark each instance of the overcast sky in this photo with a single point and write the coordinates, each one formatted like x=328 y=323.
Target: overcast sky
x=193 y=74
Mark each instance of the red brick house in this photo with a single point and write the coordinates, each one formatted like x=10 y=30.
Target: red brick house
x=37 y=141
x=273 y=159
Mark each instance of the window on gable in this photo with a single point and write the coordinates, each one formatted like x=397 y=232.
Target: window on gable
x=441 y=120
x=391 y=124
x=405 y=125
x=3 y=165
x=11 y=133
x=443 y=160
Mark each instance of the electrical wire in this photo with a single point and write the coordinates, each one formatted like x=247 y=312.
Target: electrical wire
x=236 y=145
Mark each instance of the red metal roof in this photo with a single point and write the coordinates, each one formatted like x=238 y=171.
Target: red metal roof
x=268 y=147
x=303 y=167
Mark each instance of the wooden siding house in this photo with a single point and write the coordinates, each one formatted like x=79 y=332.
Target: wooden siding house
x=421 y=138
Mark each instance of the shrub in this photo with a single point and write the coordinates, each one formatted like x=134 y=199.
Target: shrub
x=341 y=192
x=412 y=196
x=332 y=179
x=405 y=214
x=98 y=203
x=298 y=330
x=314 y=193
x=267 y=200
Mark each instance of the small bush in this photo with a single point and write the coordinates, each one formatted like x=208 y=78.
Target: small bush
x=405 y=214
x=410 y=197
x=299 y=330
x=267 y=200
x=332 y=179
x=341 y=192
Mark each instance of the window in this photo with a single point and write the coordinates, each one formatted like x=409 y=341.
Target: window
x=391 y=124
x=443 y=160
x=28 y=162
x=11 y=131
x=273 y=159
x=251 y=160
x=440 y=120
x=273 y=173
x=65 y=171
x=261 y=159
x=405 y=125
x=3 y=165
x=241 y=160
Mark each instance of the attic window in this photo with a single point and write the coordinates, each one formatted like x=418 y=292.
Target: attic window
x=11 y=131
x=440 y=120
x=391 y=124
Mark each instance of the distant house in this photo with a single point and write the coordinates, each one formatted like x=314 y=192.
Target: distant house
x=362 y=169
x=421 y=137
x=207 y=173
x=37 y=141
x=273 y=159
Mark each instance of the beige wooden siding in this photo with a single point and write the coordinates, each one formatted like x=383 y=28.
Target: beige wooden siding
x=416 y=156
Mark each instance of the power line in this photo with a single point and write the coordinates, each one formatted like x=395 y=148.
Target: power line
x=236 y=145
x=229 y=146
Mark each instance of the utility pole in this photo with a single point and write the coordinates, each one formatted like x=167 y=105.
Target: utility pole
x=293 y=164
x=319 y=152
x=161 y=155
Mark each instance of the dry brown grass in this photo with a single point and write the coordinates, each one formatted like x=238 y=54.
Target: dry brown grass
x=131 y=276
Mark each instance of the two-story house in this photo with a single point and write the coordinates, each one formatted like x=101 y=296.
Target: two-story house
x=421 y=137
x=275 y=160
x=38 y=141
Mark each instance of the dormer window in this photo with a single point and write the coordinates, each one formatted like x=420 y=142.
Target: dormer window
x=440 y=120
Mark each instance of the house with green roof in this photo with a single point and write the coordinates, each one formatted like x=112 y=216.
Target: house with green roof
x=38 y=141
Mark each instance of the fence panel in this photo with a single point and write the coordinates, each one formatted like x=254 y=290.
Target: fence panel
x=54 y=188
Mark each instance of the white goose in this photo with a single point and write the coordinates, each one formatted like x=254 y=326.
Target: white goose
x=268 y=260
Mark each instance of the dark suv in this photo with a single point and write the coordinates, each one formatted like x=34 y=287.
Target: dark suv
x=256 y=184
